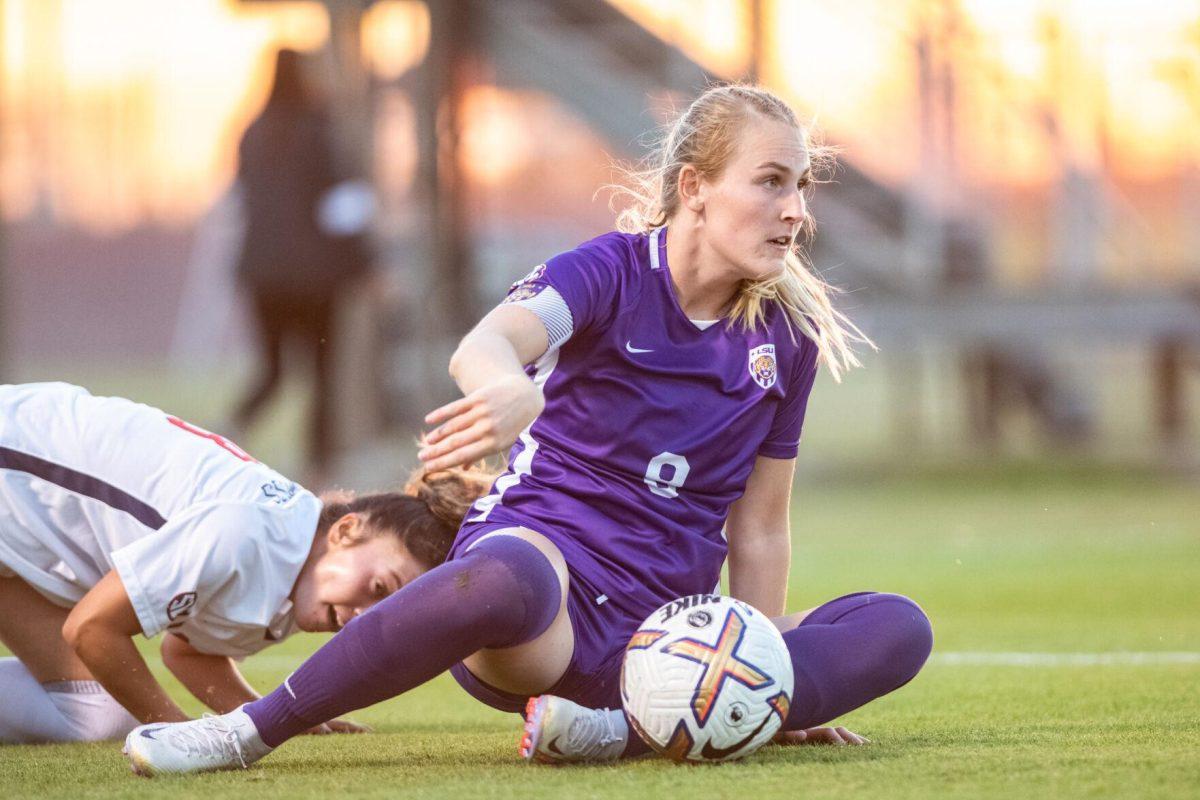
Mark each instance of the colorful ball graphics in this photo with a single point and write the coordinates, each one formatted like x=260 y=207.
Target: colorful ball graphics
x=706 y=678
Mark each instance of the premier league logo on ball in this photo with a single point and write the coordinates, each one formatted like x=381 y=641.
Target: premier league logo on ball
x=762 y=365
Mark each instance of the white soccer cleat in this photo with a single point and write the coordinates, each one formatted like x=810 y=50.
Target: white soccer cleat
x=215 y=742
x=558 y=731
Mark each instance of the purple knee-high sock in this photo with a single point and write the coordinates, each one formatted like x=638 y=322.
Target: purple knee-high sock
x=501 y=593
x=846 y=653
x=852 y=650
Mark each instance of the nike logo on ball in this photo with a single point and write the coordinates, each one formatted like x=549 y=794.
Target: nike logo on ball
x=632 y=349
x=716 y=753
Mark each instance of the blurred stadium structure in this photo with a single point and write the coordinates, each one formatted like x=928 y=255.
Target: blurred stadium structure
x=1015 y=215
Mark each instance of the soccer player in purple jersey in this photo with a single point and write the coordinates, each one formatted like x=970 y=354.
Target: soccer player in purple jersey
x=652 y=384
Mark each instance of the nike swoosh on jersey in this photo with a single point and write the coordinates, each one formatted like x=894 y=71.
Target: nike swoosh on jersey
x=632 y=349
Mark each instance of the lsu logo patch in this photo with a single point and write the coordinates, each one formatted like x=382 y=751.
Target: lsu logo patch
x=523 y=293
x=534 y=274
x=526 y=287
x=180 y=605
x=762 y=365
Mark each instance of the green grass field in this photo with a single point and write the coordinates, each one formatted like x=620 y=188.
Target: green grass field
x=1006 y=561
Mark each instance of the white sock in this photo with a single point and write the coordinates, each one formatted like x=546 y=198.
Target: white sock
x=66 y=711
x=27 y=713
x=91 y=713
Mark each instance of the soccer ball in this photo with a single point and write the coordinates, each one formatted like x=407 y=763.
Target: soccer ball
x=706 y=678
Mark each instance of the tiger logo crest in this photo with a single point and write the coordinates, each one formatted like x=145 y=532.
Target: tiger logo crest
x=762 y=365
x=527 y=287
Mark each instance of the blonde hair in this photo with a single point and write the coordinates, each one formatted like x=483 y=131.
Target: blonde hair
x=705 y=137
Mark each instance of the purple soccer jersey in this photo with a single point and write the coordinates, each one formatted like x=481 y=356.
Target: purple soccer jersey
x=651 y=426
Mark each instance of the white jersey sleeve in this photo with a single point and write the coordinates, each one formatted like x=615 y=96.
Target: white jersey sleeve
x=219 y=574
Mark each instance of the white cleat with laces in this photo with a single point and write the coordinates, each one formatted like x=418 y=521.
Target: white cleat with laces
x=558 y=731
x=215 y=742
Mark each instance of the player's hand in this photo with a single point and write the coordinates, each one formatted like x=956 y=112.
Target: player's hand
x=337 y=726
x=838 y=737
x=346 y=726
x=486 y=421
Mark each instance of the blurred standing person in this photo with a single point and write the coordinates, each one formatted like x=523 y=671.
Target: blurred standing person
x=296 y=264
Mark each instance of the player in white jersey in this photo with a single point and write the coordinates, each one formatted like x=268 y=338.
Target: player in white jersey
x=117 y=518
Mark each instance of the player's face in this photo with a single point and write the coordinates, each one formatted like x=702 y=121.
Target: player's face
x=350 y=578
x=754 y=211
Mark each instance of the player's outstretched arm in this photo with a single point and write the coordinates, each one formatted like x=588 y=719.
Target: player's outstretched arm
x=499 y=400
x=100 y=629
x=213 y=680
x=759 y=533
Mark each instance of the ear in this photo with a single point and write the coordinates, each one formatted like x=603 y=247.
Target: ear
x=346 y=531
x=691 y=188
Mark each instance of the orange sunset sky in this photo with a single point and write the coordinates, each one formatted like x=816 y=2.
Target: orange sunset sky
x=159 y=89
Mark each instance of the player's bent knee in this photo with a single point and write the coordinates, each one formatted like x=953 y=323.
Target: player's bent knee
x=546 y=547
x=910 y=635
x=536 y=651
x=525 y=569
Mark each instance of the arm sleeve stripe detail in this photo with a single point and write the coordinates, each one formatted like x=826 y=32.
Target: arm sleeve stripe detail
x=554 y=313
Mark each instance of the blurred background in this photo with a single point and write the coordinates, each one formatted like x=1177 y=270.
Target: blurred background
x=1014 y=218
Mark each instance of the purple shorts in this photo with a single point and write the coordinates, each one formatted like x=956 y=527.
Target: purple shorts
x=593 y=677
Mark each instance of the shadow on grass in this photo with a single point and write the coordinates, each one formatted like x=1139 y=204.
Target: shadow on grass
x=496 y=760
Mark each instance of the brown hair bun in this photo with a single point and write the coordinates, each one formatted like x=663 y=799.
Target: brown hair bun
x=425 y=515
x=449 y=493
